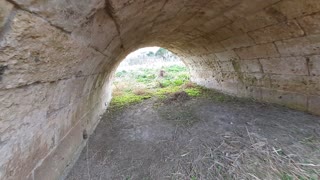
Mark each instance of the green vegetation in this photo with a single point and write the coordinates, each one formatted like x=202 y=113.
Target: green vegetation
x=173 y=75
x=134 y=86
x=127 y=98
x=161 y=52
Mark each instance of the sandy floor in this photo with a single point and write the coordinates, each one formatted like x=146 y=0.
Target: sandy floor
x=202 y=139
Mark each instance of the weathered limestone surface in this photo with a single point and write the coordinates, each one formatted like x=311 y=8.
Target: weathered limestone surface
x=57 y=59
x=5 y=10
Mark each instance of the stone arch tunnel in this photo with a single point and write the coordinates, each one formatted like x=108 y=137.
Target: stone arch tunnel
x=57 y=59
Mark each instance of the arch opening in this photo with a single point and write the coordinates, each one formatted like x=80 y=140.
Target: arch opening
x=150 y=72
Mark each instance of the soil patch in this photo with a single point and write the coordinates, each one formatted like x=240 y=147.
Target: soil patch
x=202 y=138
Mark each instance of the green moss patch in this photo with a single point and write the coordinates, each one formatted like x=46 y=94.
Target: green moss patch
x=127 y=99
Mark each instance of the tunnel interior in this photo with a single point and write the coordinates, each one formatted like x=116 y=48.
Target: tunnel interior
x=57 y=59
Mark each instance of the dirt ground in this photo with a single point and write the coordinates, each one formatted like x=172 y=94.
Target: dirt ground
x=200 y=138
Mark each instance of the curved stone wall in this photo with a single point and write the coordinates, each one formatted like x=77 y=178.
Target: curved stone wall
x=57 y=59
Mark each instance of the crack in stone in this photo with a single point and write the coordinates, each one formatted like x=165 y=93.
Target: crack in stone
x=161 y=9
x=110 y=11
x=308 y=65
x=50 y=81
x=276 y=47
x=193 y=15
x=260 y=66
x=109 y=44
x=232 y=21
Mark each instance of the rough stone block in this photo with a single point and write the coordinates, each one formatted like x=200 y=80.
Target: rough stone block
x=138 y=9
x=277 y=32
x=289 y=99
x=225 y=33
x=238 y=42
x=22 y=151
x=55 y=163
x=313 y=85
x=314 y=105
x=215 y=47
x=46 y=54
x=311 y=23
x=301 y=46
x=214 y=24
x=229 y=87
x=119 y=4
x=290 y=65
x=297 y=8
x=292 y=83
x=227 y=56
x=258 y=51
x=207 y=47
x=249 y=91
x=314 y=65
x=114 y=47
x=99 y=32
x=5 y=10
x=256 y=21
x=65 y=14
x=209 y=83
x=250 y=66
x=226 y=66
x=255 y=79
x=248 y=7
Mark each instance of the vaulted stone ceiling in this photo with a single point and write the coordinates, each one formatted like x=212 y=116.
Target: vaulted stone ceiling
x=57 y=58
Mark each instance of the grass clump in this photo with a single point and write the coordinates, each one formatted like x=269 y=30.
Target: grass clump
x=127 y=99
x=193 y=92
x=166 y=90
